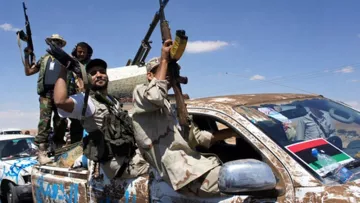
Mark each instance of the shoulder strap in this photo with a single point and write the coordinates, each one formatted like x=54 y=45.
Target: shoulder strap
x=87 y=87
x=319 y=124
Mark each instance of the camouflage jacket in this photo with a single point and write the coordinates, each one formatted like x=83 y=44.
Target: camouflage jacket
x=160 y=141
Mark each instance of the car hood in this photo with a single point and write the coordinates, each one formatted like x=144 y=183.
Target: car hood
x=21 y=166
x=349 y=192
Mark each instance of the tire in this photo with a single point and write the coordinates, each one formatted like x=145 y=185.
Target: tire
x=11 y=195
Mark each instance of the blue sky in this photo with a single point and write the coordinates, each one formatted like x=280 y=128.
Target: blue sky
x=234 y=47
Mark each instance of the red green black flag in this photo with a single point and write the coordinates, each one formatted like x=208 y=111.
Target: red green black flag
x=303 y=151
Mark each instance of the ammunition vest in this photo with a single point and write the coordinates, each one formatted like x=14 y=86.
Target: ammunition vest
x=44 y=65
x=115 y=137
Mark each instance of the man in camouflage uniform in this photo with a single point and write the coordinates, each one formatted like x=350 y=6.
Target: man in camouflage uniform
x=160 y=142
x=48 y=68
x=82 y=52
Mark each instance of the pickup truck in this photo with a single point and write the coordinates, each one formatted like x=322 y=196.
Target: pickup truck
x=270 y=159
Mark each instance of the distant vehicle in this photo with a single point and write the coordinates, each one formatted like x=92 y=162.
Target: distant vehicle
x=17 y=157
x=10 y=131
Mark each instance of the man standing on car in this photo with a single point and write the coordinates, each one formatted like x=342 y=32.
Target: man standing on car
x=110 y=140
x=160 y=142
x=48 y=68
x=82 y=52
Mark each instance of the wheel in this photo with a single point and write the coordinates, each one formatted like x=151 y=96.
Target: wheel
x=11 y=195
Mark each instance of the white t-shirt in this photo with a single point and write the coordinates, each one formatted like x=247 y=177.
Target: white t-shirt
x=109 y=168
x=79 y=102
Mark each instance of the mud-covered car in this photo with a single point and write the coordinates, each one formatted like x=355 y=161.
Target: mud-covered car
x=18 y=156
x=270 y=159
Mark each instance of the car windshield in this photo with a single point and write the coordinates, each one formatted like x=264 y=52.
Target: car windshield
x=300 y=126
x=17 y=148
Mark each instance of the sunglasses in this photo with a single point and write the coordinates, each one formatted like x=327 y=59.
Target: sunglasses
x=101 y=71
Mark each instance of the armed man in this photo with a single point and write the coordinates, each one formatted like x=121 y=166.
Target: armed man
x=82 y=52
x=110 y=140
x=160 y=142
x=48 y=68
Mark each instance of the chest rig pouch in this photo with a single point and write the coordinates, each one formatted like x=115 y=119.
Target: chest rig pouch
x=116 y=136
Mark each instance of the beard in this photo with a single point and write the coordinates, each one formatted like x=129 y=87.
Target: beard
x=96 y=87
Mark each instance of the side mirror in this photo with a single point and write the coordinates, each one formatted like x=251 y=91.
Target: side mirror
x=246 y=175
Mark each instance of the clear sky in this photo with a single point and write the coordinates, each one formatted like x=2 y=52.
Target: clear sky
x=234 y=47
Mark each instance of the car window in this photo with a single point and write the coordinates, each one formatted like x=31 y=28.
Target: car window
x=220 y=126
x=233 y=148
x=17 y=148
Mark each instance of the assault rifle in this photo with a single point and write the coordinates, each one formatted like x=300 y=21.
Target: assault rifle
x=145 y=46
x=176 y=52
x=26 y=37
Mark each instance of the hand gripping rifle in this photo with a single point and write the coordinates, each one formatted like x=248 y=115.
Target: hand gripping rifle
x=176 y=52
x=26 y=37
x=145 y=46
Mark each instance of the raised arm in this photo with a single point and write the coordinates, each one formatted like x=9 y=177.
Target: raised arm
x=61 y=99
x=31 y=69
x=151 y=97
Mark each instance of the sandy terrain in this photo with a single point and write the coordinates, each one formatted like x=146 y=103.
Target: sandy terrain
x=32 y=131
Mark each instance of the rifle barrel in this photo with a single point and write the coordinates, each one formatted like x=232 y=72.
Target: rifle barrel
x=145 y=47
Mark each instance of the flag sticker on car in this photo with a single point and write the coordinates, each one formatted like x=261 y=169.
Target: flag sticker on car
x=302 y=150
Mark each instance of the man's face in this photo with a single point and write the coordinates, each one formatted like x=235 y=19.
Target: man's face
x=151 y=75
x=81 y=53
x=99 y=78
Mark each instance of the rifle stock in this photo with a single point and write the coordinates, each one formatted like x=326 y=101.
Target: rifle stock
x=165 y=31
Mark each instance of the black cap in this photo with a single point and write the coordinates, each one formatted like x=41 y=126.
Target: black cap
x=96 y=62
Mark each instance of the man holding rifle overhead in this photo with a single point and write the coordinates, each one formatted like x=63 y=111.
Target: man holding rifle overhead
x=158 y=136
x=49 y=69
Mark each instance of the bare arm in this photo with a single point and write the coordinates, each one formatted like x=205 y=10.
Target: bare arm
x=165 y=58
x=223 y=135
x=61 y=99
x=151 y=97
x=30 y=69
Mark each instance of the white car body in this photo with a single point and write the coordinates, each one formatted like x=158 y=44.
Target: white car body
x=16 y=170
x=10 y=131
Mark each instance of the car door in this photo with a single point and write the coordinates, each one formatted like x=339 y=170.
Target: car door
x=255 y=148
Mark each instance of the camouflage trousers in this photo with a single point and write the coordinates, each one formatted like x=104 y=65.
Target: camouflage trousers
x=47 y=107
x=204 y=186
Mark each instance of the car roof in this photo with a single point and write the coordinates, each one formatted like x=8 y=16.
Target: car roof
x=248 y=99
x=14 y=137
